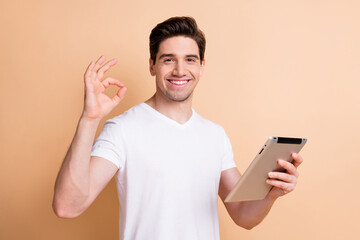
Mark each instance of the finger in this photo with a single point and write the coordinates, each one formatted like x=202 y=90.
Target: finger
x=285 y=177
x=88 y=70
x=297 y=159
x=289 y=167
x=111 y=81
x=287 y=187
x=92 y=73
x=98 y=63
x=106 y=67
x=119 y=95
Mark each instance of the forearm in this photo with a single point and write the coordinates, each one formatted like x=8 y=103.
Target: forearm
x=248 y=214
x=72 y=184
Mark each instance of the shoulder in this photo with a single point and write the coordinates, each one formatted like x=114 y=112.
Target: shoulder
x=129 y=116
x=209 y=125
x=114 y=127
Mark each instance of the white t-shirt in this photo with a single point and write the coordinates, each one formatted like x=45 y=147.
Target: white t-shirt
x=169 y=173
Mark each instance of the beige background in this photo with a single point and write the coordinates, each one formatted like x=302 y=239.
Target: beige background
x=282 y=67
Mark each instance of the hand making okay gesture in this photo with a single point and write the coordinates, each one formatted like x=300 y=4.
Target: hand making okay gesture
x=97 y=103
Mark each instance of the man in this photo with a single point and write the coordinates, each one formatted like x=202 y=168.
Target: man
x=170 y=163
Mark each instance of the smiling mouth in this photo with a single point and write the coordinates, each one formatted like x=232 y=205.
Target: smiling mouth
x=178 y=82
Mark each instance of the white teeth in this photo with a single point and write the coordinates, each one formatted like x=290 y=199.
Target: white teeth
x=178 y=82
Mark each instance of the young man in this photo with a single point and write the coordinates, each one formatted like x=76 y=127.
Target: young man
x=170 y=163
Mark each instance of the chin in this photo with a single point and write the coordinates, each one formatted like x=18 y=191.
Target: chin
x=179 y=99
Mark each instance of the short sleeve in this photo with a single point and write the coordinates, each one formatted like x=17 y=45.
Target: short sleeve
x=228 y=157
x=109 y=144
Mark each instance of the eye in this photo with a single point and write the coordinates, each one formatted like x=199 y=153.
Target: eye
x=167 y=60
x=191 y=60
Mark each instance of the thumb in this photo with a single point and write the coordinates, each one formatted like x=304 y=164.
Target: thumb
x=119 y=95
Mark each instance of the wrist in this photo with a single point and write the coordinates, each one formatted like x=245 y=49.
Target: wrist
x=271 y=197
x=89 y=122
x=90 y=117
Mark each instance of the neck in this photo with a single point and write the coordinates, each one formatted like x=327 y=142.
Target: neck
x=177 y=111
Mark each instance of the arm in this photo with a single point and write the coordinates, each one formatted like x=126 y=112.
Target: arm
x=81 y=177
x=248 y=214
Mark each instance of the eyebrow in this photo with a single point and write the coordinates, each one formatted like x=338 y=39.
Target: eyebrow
x=173 y=55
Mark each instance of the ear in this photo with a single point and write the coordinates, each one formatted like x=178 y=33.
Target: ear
x=202 y=67
x=151 y=67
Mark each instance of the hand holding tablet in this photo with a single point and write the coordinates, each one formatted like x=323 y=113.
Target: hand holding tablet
x=253 y=184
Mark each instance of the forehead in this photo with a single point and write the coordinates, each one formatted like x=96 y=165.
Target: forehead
x=178 y=45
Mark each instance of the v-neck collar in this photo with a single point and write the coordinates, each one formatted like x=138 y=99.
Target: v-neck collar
x=167 y=119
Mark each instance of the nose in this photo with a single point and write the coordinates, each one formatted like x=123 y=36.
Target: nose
x=179 y=69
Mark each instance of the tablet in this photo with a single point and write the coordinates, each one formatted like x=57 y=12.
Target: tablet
x=252 y=184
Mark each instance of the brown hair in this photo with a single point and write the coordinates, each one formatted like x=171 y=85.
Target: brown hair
x=176 y=26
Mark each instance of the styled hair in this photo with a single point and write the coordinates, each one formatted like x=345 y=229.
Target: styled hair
x=176 y=26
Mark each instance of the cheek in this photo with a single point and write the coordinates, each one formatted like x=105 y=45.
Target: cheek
x=166 y=71
x=196 y=72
